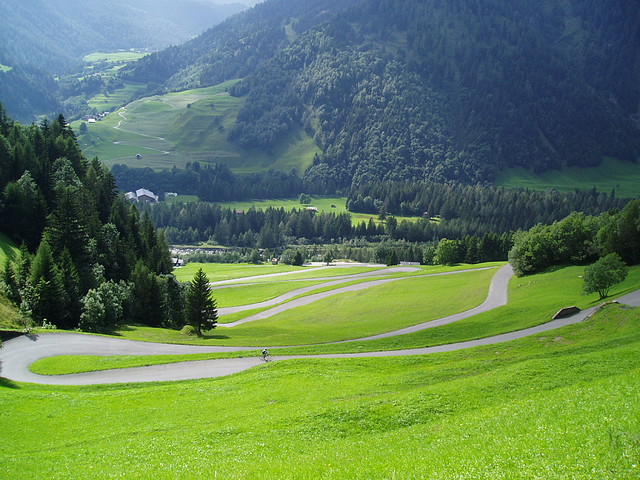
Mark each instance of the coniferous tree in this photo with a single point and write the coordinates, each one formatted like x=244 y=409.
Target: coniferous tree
x=201 y=311
x=47 y=292
x=11 y=289
x=71 y=297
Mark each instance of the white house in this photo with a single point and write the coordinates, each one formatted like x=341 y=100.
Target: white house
x=142 y=195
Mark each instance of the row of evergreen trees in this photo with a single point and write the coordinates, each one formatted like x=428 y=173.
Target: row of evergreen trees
x=483 y=208
x=88 y=258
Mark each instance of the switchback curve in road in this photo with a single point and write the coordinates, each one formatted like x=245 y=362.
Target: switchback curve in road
x=19 y=353
x=308 y=299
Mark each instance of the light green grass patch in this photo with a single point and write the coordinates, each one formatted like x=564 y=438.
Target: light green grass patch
x=113 y=57
x=190 y=126
x=5 y=68
x=182 y=199
x=8 y=249
x=534 y=408
x=218 y=272
x=323 y=204
x=230 y=296
x=623 y=176
x=379 y=309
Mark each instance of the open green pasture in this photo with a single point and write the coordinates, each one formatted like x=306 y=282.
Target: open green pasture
x=217 y=272
x=231 y=296
x=623 y=176
x=113 y=57
x=323 y=204
x=345 y=316
x=108 y=102
x=187 y=126
x=560 y=405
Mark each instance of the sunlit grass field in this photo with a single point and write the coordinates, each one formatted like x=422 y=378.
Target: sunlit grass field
x=532 y=301
x=113 y=57
x=188 y=126
x=107 y=103
x=561 y=405
x=323 y=204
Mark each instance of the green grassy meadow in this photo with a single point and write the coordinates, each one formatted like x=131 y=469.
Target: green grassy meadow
x=182 y=127
x=562 y=405
x=113 y=57
x=559 y=405
x=620 y=175
x=107 y=103
x=322 y=203
x=8 y=249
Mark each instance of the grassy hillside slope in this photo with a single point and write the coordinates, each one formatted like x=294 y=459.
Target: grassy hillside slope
x=188 y=126
x=612 y=175
x=560 y=405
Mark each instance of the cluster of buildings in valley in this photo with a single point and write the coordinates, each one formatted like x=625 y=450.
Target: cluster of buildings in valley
x=95 y=118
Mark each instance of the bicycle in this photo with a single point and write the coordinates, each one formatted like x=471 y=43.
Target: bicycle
x=266 y=356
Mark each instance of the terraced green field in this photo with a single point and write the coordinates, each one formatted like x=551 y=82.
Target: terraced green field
x=188 y=126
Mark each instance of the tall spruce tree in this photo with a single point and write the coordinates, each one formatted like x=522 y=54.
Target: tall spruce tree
x=47 y=292
x=201 y=311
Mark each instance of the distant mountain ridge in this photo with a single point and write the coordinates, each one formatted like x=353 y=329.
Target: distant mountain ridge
x=426 y=90
x=40 y=39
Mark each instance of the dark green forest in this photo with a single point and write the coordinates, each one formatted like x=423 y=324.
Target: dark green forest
x=88 y=259
x=408 y=90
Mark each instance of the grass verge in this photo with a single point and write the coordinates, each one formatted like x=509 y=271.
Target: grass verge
x=561 y=405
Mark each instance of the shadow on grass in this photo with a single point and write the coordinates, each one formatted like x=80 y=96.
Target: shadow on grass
x=214 y=337
x=122 y=328
x=613 y=296
x=4 y=383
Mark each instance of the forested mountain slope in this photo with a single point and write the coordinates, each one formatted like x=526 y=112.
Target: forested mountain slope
x=55 y=35
x=426 y=90
x=236 y=47
x=40 y=39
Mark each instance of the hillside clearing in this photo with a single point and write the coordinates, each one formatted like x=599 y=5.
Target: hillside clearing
x=612 y=174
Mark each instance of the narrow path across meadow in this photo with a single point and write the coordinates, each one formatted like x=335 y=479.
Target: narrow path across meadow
x=19 y=353
x=334 y=281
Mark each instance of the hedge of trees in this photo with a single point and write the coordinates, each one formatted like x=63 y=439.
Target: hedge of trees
x=578 y=239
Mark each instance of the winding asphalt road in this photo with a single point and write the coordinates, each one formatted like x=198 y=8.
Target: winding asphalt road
x=19 y=353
